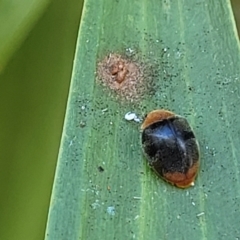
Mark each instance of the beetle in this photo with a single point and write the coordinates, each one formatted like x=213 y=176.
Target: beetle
x=171 y=147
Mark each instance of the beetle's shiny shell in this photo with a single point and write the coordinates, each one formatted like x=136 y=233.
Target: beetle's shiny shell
x=171 y=148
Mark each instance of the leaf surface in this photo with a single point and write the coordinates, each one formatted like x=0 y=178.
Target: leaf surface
x=189 y=52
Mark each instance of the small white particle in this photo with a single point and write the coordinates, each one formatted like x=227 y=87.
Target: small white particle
x=132 y=116
x=178 y=216
x=136 y=119
x=109 y=58
x=200 y=214
x=104 y=110
x=129 y=50
x=137 y=198
x=129 y=116
x=95 y=204
x=83 y=107
x=178 y=55
x=136 y=217
x=192 y=184
x=111 y=210
x=193 y=203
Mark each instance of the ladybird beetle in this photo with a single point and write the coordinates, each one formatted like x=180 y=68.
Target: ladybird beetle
x=170 y=147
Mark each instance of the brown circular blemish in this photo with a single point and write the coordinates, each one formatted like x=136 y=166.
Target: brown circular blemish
x=122 y=75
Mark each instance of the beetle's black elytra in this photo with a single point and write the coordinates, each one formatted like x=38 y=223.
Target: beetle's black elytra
x=171 y=148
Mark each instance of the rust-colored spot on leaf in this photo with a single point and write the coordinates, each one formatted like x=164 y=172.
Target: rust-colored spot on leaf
x=122 y=75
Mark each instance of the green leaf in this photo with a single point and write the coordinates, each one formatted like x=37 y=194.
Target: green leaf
x=16 y=20
x=188 y=52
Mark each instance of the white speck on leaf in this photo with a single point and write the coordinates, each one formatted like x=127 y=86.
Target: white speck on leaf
x=111 y=210
x=95 y=204
x=136 y=217
x=129 y=50
x=132 y=116
x=137 y=198
x=104 y=110
x=200 y=214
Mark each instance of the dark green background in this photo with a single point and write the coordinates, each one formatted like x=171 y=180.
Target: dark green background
x=33 y=94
